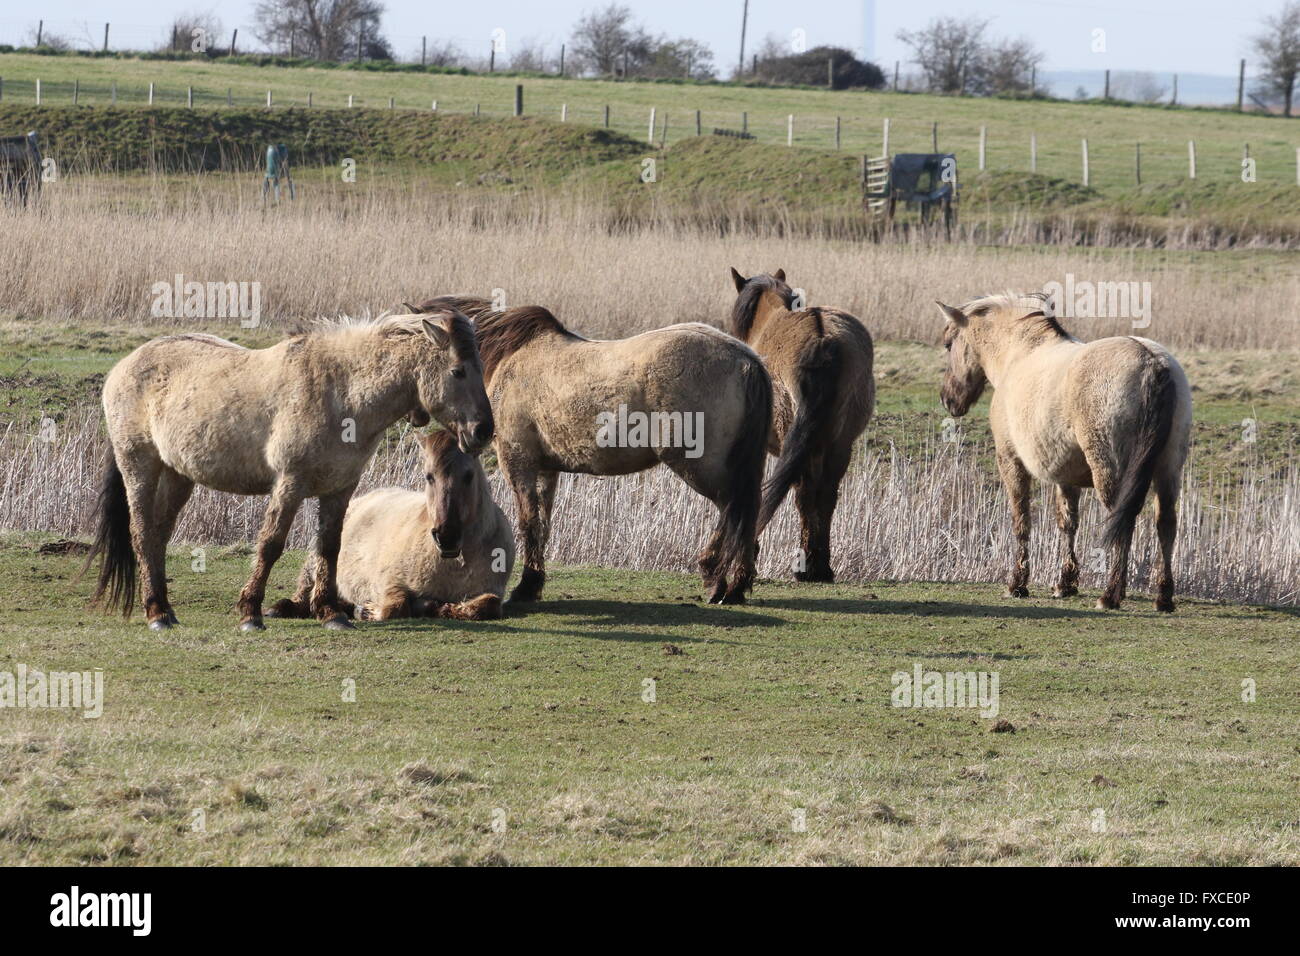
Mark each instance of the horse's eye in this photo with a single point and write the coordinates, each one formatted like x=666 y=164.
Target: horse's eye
x=458 y=372
x=429 y=478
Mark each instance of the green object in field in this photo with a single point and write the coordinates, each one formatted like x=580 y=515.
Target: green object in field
x=275 y=156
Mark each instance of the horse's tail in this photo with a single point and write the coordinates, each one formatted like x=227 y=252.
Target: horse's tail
x=117 y=565
x=819 y=374
x=745 y=462
x=1151 y=438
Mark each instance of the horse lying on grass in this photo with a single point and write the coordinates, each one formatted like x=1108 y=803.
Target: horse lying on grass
x=446 y=552
x=1114 y=414
x=298 y=420
x=567 y=403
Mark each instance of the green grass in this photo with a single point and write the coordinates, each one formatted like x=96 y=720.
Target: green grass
x=539 y=721
x=1112 y=129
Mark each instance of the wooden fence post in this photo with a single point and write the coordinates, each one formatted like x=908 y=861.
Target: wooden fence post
x=1137 y=162
x=151 y=94
x=885 y=144
x=519 y=99
x=76 y=91
x=652 y=124
x=564 y=112
x=1191 y=159
x=983 y=139
x=744 y=122
x=1033 y=152
x=699 y=126
x=606 y=116
x=789 y=130
x=189 y=97
x=268 y=99
x=1085 y=162
x=105 y=37
x=349 y=101
x=934 y=137
x=837 y=132
x=1105 y=95
x=1241 y=84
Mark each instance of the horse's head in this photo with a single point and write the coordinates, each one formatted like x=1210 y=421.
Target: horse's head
x=755 y=297
x=452 y=491
x=450 y=383
x=964 y=379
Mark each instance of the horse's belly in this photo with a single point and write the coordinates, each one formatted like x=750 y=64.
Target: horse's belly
x=1060 y=464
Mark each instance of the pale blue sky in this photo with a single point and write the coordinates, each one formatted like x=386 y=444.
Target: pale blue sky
x=1191 y=36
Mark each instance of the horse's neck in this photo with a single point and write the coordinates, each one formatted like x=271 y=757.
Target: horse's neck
x=380 y=378
x=1008 y=351
x=764 y=316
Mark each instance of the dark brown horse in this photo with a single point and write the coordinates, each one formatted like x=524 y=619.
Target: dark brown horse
x=687 y=396
x=820 y=362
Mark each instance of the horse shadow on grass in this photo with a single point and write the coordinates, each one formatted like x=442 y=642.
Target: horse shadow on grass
x=875 y=607
x=599 y=616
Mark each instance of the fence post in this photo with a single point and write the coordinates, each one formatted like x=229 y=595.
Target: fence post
x=519 y=99
x=434 y=107
x=309 y=99
x=1033 y=80
x=1033 y=152
x=1297 y=165
x=424 y=51
x=1191 y=159
x=189 y=96
x=663 y=137
x=1137 y=162
x=40 y=28
x=983 y=138
x=2 y=88
x=478 y=109
x=698 y=127
x=76 y=91
x=105 y=37
x=934 y=137
x=885 y=151
x=789 y=130
x=1105 y=94
x=233 y=37
x=349 y=101
x=268 y=99
x=837 y=132
x=652 y=125
x=606 y=116
x=230 y=97
x=744 y=122
x=38 y=92
x=1241 y=84
x=390 y=102
x=151 y=94
x=895 y=76
x=561 y=59
x=564 y=112
x=1173 y=100
x=1085 y=162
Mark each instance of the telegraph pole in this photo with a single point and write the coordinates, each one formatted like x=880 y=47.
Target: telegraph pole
x=744 y=21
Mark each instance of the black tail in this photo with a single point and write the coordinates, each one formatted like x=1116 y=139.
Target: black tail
x=1152 y=436
x=116 y=587
x=818 y=387
x=745 y=463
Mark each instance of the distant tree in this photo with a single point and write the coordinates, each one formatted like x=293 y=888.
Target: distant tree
x=1006 y=66
x=1138 y=87
x=49 y=41
x=671 y=58
x=601 y=38
x=809 y=68
x=1278 y=47
x=183 y=37
x=949 y=52
x=528 y=55
x=323 y=29
x=443 y=53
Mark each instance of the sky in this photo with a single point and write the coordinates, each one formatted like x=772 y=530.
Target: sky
x=1164 y=36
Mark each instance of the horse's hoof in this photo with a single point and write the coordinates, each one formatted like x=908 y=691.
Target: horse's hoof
x=518 y=596
x=1166 y=607
x=733 y=597
x=160 y=624
x=1019 y=591
x=339 y=622
x=252 y=624
x=1107 y=604
x=1065 y=592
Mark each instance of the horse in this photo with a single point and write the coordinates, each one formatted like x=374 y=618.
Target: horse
x=1114 y=414
x=298 y=420
x=687 y=396
x=446 y=552
x=824 y=392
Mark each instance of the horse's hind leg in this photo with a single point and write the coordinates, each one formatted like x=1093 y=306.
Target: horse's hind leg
x=276 y=522
x=141 y=475
x=824 y=478
x=1067 y=519
x=1167 y=529
x=534 y=497
x=173 y=491
x=1015 y=478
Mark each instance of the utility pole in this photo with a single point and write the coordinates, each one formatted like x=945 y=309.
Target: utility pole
x=1241 y=84
x=744 y=22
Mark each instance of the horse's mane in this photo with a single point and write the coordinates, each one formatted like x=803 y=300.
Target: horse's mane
x=440 y=442
x=745 y=308
x=1036 y=302
x=502 y=334
x=461 y=328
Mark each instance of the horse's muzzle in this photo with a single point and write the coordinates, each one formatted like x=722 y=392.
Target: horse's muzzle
x=474 y=437
x=447 y=550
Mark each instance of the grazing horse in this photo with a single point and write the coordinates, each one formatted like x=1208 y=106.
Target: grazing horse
x=298 y=420
x=1114 y=415
x=824 y=392
x=446 y=552
x=687 y=396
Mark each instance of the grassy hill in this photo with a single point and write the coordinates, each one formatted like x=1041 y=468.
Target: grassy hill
x=1113 y=129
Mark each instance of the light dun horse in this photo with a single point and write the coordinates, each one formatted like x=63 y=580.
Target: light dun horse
x=444 y=552
x=824 y=392
x=298 y=420
x=1114 y=415
x=551 y=389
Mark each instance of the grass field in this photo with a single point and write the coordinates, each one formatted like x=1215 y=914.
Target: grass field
x=529 y=741
x=1113 y=130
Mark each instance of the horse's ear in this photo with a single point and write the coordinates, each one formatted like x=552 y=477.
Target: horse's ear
x=956 y=316
x=779 y=275
x=436 y=334
x=737 y=278
x=411 y=309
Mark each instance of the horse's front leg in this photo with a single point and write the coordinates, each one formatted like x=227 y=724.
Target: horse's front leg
x=1067 y=519
x=532 y=532
x=286 y=496
x=324 y=603
x=1015 y=478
